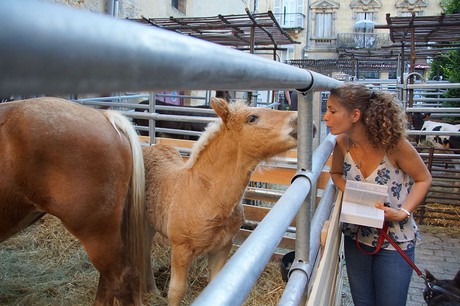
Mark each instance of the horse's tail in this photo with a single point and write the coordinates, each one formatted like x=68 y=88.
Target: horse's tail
x=134 y=224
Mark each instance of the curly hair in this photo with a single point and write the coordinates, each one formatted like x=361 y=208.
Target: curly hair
x=381 y=113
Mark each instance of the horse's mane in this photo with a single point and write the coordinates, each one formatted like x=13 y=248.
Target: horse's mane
x=212 y=130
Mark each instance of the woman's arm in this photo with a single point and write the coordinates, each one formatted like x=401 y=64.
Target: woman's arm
x=408 y=160
x=337 y=165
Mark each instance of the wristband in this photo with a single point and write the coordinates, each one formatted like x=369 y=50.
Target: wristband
x=407 y=212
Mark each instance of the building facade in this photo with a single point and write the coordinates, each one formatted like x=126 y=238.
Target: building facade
x=333 y=32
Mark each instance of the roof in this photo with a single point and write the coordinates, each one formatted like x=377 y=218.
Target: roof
x=423 y=29
x=432 y=36
x=228 y=30
x=342 y=63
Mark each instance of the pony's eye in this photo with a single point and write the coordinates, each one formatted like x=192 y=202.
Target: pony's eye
x=252 y=118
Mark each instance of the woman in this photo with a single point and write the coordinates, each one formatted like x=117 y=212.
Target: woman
x=371 y=147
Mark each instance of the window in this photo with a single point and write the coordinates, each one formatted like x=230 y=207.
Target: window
x=409 y=14
x=323 y=25
x=180 y=5
x=364 y=29
x=289 y=13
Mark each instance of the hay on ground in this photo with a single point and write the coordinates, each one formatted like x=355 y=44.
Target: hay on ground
x=46 y=265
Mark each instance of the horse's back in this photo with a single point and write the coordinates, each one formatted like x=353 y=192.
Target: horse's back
x=57 y=157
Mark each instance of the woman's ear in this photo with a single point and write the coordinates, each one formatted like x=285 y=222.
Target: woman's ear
x=355 y=115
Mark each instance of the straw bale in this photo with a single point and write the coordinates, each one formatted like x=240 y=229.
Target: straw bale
x=440 y=215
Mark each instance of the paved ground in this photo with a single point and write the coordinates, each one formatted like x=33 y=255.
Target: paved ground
x=439 y=252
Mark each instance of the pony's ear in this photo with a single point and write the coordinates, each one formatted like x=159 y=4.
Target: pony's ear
x=220 y=106
x=430 y=277
x=457 y=279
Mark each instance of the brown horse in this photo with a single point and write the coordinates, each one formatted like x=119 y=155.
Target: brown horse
x=196 y=204
x=85 y=167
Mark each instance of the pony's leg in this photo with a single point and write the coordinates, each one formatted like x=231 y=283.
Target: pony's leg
x=216 y=260
x=181 y=260
x=150 y=278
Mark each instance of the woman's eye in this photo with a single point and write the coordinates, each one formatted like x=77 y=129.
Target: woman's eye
x=252 y=118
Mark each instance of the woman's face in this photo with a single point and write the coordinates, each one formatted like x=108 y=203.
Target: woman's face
x=338 y=119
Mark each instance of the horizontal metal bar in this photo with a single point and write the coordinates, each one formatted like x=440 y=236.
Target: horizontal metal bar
x=162 y=117
x=178 y=132
x=112 y=104
x=185 y=109
x=266 y=195
x=440 y=99
x=74 y=51
x=433 y=109
x=432 y=86
x=433 y=133
x=171 y=131
x=180 y=96
x=112 y=98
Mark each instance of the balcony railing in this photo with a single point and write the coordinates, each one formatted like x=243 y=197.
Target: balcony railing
x=291 y=21
x=327 y=44
x=362 y=40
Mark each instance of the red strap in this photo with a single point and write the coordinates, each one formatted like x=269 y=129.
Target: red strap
x=379 y=242
x=403 y=254
x=382 y=236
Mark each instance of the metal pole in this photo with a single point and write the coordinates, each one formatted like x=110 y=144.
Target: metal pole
x=73 y=51
x=304 y=163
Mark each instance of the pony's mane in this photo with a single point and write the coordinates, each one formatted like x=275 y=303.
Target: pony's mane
x=212 y=130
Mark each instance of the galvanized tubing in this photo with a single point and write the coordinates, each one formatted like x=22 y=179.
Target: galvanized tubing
x=74 y=51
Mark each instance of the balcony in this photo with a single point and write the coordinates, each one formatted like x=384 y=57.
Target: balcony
x=323 y=44
x=362 y=40
x=291 y=21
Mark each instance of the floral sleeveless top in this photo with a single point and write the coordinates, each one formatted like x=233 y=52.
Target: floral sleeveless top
x=399 y=185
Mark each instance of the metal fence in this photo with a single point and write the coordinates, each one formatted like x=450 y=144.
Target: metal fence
x=59 y=50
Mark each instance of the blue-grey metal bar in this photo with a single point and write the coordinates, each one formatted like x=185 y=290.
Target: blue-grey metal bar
x=67 y=50
x=438 y=133
x=432 y=86
x=162 y=117
x=111 y=98
x=433 y=109
x=304 y=163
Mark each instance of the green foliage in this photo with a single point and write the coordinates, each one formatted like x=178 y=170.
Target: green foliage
x=450 y=6
x=448 y=65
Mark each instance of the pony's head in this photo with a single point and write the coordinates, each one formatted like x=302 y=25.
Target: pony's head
x=441 y=292
x=260 y=132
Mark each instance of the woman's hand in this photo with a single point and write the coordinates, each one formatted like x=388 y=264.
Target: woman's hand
x=392 y=214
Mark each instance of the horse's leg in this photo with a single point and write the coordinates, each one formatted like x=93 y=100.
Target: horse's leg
x=119 y=280
x=216 y=260
x=96 y=221
x=181 y=260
